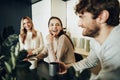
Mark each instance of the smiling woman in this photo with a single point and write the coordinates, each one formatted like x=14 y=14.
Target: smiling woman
x=59 y=47
x=30 y=39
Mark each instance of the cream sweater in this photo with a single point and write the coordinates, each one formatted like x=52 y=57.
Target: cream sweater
x=36 y=44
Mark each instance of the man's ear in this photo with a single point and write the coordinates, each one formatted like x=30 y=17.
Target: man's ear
x=103 y=16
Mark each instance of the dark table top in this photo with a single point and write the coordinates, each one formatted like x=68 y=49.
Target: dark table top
x=42 y=73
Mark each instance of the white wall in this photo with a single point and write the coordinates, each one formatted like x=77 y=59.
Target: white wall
x=41 y=12
x=58 y=8
x=72 y=20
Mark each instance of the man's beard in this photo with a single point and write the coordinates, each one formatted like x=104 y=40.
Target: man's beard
x=92 y=32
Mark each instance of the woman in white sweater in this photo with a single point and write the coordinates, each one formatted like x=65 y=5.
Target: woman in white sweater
x=30 y=39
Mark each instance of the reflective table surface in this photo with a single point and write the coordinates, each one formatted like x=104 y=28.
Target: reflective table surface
x=42 y=73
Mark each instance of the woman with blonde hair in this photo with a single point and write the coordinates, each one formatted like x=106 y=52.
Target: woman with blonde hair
x=30 y=39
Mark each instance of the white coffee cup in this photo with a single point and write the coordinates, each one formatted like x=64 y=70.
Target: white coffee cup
x=33 y=62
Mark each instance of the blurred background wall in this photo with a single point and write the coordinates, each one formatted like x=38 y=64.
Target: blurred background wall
x=11 y=12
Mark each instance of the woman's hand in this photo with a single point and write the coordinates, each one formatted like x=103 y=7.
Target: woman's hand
x=62 y=68
x=30 y=51
x=49 y=38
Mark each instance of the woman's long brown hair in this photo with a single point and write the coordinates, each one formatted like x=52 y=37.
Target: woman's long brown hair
x=23 y=31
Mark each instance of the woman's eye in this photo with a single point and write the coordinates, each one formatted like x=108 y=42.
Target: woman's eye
x=51 y=24
x=57 y=24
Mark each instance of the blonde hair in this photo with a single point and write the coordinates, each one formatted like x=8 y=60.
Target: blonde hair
x=23 y=31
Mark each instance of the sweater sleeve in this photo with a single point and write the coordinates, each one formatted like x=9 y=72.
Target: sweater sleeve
x=62 y=49
x=41 y=44
x=43 y=54
x=51 y=53
x=50 y=47
x=21 y=44
x=88 y=62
